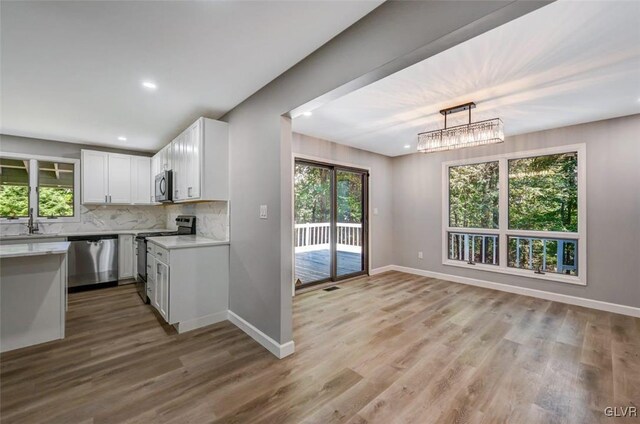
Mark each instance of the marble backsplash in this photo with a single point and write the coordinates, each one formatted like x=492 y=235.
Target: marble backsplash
x=100 y=218
x=212 y=219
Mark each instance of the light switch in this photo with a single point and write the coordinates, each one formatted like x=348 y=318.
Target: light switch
x=375 y=211
x=263 y=211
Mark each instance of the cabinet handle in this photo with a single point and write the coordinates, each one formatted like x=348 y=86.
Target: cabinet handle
x=109 y=198
x=189 y=191
x=106 y=199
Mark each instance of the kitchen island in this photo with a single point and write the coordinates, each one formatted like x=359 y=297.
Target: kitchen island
x=33 y=278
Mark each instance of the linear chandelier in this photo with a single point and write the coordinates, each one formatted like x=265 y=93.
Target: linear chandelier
x=466 y=135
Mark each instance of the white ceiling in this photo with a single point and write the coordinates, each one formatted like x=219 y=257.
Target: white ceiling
x=564 y=64
x=72 y=71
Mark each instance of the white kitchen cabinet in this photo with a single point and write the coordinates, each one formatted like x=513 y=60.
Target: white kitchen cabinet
x=151 y=279
x=95 y=176
x=119 y=178
x=141 y=180
x=125 y=256
x=162 y=289
x=111 y=178
x=190 y=285
x=199 y=159
x=179 y=165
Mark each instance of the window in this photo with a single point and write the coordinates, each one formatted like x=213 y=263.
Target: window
x=473 y=195
x=55 y=189
x=48 y=185
x=522 y=214
x=14 y=188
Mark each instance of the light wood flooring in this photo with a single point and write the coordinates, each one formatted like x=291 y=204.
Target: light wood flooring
x=394 y=348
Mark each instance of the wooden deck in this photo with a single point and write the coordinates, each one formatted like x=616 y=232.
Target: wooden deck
x=314 y=265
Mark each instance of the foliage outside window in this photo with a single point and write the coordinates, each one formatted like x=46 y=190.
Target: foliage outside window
x=14 y=188
x=473 y=195
x=312 y=194
x=543 y=193
x=46 y=186
x=55 y=189
x=539 y=220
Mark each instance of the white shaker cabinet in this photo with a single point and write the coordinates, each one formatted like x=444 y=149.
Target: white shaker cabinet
x=162 y=289
x=119 y=178
x=141 y=180
x=199 y=159
x=126 y=264
x=95 y=176
x=112 y=178
x=189 y=286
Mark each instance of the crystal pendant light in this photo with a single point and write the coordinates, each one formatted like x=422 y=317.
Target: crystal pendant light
x=466 y=135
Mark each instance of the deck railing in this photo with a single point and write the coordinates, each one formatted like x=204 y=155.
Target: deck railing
x=316 y=236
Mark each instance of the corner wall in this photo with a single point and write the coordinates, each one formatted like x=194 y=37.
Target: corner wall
x=613 y=209
x=393 y=36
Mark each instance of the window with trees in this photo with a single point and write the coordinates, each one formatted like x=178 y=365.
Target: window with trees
x=520 y=213
x=48 y=185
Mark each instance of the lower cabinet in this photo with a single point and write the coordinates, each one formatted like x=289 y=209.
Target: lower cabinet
x=126 y=264
x=189 y=286
x=162 y=289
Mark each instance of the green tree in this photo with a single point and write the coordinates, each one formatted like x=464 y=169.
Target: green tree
x=14 y=200
x=55 y=201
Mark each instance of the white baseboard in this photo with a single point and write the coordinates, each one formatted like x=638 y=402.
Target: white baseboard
x=184 y=326
x=541 y=294
x=382 y=269
x=279 y=350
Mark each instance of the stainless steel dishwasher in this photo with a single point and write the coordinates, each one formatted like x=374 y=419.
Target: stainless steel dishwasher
x=93 y=260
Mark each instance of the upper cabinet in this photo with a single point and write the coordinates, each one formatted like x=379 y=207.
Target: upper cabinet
x=95 y=177
x=111 y=178
x=140 y=182
x=199 y=159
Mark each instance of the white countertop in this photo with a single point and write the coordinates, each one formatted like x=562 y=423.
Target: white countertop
x=79 y=233
x=33 y=249
x=182 y=242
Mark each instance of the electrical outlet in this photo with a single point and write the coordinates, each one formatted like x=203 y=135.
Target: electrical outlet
x=419 y=255
x=263 y=211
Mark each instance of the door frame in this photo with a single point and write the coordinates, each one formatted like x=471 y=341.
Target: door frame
x=317 y=160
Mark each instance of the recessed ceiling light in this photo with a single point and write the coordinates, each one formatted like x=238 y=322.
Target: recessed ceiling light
x=150 y=85
x=406 y=146
x=122 y=138
x=306 y=114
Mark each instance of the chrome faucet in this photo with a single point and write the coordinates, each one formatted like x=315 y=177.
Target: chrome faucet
x=32 y=226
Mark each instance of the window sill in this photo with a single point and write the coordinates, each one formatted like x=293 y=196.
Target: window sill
x=560 y=278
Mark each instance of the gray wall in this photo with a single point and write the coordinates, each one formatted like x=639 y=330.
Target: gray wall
x=613 y=208
x=35 y=146
x=380 y=188
x=260 y=138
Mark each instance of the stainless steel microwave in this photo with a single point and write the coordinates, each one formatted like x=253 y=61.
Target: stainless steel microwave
x=164 y=187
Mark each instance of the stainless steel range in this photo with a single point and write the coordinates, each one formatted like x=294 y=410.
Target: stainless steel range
x=186 y=225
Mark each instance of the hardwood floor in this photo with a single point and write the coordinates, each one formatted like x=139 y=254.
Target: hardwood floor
x=394 y=348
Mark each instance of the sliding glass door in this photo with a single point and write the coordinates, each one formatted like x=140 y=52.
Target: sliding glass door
x=330 y=231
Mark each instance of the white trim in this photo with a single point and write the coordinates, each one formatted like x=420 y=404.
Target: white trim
x=33 y=183
x=302 y=156
x=503 y=228
x=382 y=269
x=540 y=294
x=279 y=350
x=199 y=322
